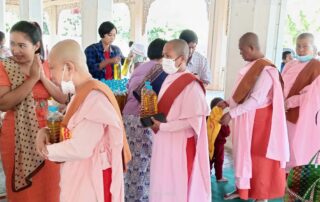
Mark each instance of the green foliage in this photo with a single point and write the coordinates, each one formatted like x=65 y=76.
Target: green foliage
x=123 y=29
x=165 y=32
x=292 y=27
x=304 y=21
x=72 y=26
x=298 y=24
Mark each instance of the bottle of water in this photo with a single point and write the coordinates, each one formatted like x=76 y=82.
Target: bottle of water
x=149 y=101
x=54 y=123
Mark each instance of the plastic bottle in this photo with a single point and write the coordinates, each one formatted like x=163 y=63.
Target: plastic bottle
x=54 y=123
x=126 y=66
x=116 y=72
x=149 y=101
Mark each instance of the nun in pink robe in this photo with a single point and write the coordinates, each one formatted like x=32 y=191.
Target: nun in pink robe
x=266 y=92
x=186 y=118
x=304 y=135
x=95 y=145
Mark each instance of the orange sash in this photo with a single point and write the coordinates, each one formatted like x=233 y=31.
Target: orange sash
x=249 y=80
x=80 y=97
x=309 y=73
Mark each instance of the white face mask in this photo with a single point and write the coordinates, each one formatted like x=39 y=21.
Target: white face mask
x=169 y=66
x=67 y=87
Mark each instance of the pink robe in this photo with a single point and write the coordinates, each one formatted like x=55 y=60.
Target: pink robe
x=95 y=145
x=304 y=135
x=266 y=91
x=169 y=175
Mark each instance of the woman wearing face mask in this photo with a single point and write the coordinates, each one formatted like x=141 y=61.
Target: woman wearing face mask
x=24 y=90
x=102 y=56
x=179 y=169
x=300 y=78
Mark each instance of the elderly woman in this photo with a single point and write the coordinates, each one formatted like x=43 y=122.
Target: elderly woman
x=139 y=138
x=300 y=78
x=102 y=56
x=24 y=90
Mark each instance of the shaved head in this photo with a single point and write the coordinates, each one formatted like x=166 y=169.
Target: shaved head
x=249 y=47
x=180 y=47
x=306 y=36
x=178 y=51
x=250 y=39
x=67 y=62
x=69 y=50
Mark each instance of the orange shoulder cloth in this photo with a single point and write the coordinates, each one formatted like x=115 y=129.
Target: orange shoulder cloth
x=249 y=80
x=80 y=97
x=309 y=73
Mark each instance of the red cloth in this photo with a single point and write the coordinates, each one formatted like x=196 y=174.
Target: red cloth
x=191 y=152
x=107 y=184
x=169 y=96
x=268 y=179
x=164 y=106
x=108 y=75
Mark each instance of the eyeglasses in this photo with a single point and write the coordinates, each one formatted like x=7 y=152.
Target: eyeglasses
x=317 y=115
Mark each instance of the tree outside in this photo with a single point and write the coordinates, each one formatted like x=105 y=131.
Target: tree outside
x=301 y=17
x=70 y=23
x=164 y=32
x=167 y=18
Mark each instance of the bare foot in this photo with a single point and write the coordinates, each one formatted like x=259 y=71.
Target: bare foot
x=232 y=195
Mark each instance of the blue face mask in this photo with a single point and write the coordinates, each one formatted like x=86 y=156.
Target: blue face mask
x=305 y=58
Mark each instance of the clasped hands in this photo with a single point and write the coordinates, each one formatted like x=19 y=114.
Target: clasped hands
x=36 y=70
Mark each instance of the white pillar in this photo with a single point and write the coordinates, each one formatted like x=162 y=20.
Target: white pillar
x=93 y=13
x=105 y=8
x=2 y=15
x=32 y=10
x=266 y=19
x=53 y=20
x=217 y=42
x=136 y=20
